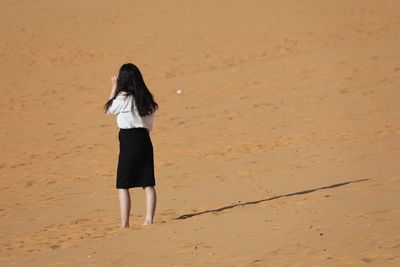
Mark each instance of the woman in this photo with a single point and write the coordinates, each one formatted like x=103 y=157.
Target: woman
x=133 y=104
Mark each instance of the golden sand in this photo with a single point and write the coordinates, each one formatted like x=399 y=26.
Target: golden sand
x=281 y=149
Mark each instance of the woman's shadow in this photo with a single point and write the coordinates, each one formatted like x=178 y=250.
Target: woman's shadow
x=189 y=215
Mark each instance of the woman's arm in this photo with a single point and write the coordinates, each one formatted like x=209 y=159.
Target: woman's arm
x=114 y=86
x=112 y=91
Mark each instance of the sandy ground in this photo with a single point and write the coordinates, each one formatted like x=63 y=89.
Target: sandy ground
x=282 y=150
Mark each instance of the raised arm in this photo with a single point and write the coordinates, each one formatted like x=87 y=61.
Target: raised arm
x=114 y=86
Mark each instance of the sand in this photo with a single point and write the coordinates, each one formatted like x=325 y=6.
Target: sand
x=282 y=149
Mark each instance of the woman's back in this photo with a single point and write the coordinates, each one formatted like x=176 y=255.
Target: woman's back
x=127 y=113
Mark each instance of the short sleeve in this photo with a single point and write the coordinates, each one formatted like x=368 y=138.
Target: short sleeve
x=120 y=104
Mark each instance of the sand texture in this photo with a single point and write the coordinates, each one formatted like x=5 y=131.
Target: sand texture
x=283 y=148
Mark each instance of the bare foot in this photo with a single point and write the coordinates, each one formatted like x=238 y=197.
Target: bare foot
x=124 y=225
x=147 y=222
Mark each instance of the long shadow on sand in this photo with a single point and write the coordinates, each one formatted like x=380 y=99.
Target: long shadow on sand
x=189 y=215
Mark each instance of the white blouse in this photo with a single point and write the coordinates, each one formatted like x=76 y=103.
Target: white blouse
x=128 y=117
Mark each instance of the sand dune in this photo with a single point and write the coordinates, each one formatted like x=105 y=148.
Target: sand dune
x=281 y=150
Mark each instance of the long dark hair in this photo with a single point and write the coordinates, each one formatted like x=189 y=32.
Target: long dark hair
x=130 y=81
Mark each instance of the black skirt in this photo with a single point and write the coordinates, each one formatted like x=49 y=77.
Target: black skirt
x=135 y=160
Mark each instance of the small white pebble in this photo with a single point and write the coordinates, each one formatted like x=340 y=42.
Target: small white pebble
x=89 y=256
x=178 y=91
x=209 y=254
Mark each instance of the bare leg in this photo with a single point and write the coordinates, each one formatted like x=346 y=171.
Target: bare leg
x=151 y=200
x=125 y=206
